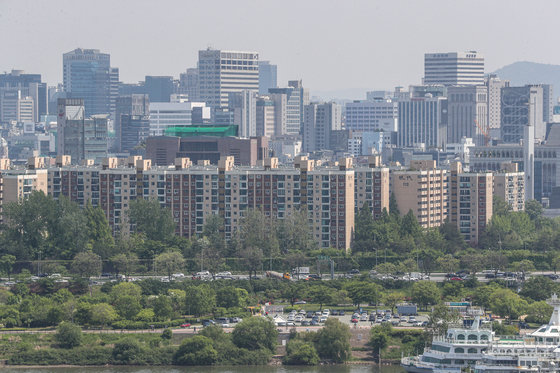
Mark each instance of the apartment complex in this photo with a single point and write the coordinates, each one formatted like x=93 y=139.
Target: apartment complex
x=372 y=187
x=424 y=190
x=470 y=201
x=509 y=184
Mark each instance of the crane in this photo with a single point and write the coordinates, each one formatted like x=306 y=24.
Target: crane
x=484 y=132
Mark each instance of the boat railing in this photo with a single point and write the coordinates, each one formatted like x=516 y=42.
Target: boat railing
x=459 y=341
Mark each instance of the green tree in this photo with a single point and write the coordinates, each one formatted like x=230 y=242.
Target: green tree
x=255 y=333
x=213 y=230
x=506 y=303
x=127 y=351
x=252 y=259
x=228 y=297
x=364 y=233
x=258 y=231
x=361 y=292
x=68 y=335
x=534 y=209
x=169 y=262
x=293 y=291
x=124 y=263
x=378 y=339
x=392 y=299
x=200 y=300
x=99 y=232
x=151 y=219
x=448 y=263
x=525 y=266
x=321 y=294
x=333 y=341
x=539 y=312
x=440 y=318
x=197 y=350
x=425 y=293
x=500 y=206
x=86 y=264
x=538 y=288
x=299 y=352
x=453 y=238
x=127 y=306
x=102 y=314
x=162 y=307
x=7 y=262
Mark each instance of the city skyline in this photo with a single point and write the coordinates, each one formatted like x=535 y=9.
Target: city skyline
x=318 y=47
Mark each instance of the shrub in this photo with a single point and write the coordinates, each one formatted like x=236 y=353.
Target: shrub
x=255 y=333
x=68 y=335
x=197 y=350
x=167 y=334
x=299 y=352
x=127 y=350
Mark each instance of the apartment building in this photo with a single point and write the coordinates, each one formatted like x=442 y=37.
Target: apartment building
x=470 y=201
x=509 y=184
x=424 y=190
x=372 y=186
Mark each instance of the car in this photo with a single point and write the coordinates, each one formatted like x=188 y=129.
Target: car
x=450 y=275
x=354 y=320
x=298 y=318
x=9 y=283
x=364 y=317
x=309 y=314
x=418 y=323
x=372 y=317
x=305 y=323
x=55 y=275
x=411 y=319
x=315 y=318
x=281 y=323
x=106 y=274
x=341 y=313
x=323 y=319
x=456 y=278
x=178 y=275
x=314 y=322
x=424 y=323
x=236 y=319
x=335 y=313
x=552 y=276
x=314 y=276
x=185 y=325
x=300 y=302
x=395 y=322
x=490 y=275
x=403 y=319
x=290 y=323
x=208 y=322
x=353 y=271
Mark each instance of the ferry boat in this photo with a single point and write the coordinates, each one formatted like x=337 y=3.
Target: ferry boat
x=459 y=348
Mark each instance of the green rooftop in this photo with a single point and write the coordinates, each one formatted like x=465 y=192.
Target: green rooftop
x=195 y=131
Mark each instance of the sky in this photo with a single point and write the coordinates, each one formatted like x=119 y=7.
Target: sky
x=333 y=46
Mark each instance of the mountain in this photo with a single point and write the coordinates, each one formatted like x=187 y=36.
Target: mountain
x=524 y=72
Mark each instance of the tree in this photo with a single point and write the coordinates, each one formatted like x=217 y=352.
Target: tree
x=534 y=209
x=212 y=230
x=392 y=299
x=364 y=233
x=425 y=293
x=386 y=268
x=539 y=312
x=506 y=303
x=255 y=333
x=321 y=294
x=127 y=306
x=98 y=231
x=453 y=238
x=7 y=262
x=525 y=266
x=197 y=350
x=128 y=350
x=258 y=231
x=162 y=307
x=361 y=292
x=299 y=352
x=448 y=263
x=102 y=314
x=440 y=318
x=379 y=339
x=333 y=341
x=151 y=219
x=228 y=297
x=252 y=259
x=86 y=264
x=200 y=299
x=68 y=335
x=538 y=288
x=170 y=262
x=292 y=291
x=124 y=263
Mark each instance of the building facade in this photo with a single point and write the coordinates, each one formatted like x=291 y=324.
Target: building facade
x=372 y=115
x=422 y=121
x=267 y=77
x=467 y=114
x=521 y=107
x=320 y=120
x=454 y=68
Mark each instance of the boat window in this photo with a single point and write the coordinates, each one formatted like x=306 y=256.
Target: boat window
x=459 y=350
x=484 y=337
x=542 y=330
x=472 y=337
x=461 y=337
x=550 y=339
x=471 y=351
x=554 y=330
x=459 y=362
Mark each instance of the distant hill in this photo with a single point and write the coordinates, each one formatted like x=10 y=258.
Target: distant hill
x=521 y=73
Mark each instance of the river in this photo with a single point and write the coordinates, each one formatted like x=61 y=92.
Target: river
x=241 y=369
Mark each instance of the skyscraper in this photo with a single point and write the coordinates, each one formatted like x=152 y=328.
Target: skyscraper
x=521 y=107
x=372 y=115
x=244 y=107
x=159 y=88
x=467 y=114
x=267 y=77
x=28 y=85
x=222 y=72
x=289 y=103
x=190 y=85
x=132 y=121
x=454 y=68
x=319 y=121
x=422 y=121
x=494 y=86
x=87 y=74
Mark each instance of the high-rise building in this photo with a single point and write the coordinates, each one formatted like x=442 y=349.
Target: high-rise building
x=509 y=184
x=371 y=187
x=244 y=107
x=289 y=103
x=173 y=114
x=422 y=121
x=14 y=106
x=470 y=201
x=222 y=72
x=135 y=104
x=522 y=106
x=372 y=115
x=267 y=77
x=132 y=121
x=318 y=123
x=159 y=88
x=189 y=83
x=454 y=68
x=494 y=86
x=78 y=136
x=29 y=85
x=266 y=117
x=422 y=190
x=467 y=109
x=87 y=74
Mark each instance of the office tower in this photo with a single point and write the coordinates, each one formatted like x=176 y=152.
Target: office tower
x=87 y=74
x=454 y=68
x=372 y=115
x=289 y=103
x=16 y=107
x=318 y=123
x=78 y=136
x=189 y=83
x=244 y=107
x=222 y=72
x=522 y=106
x=529 y=159
x=467 y=109
x=548 y=103
x=470 y=201
x=423 y=190
x=29 y=85
x=164 y=115
x=159 y=88
x=266 y=115
x=267 y=77
x=494 y=86
x=422 y=121
x=132 y=121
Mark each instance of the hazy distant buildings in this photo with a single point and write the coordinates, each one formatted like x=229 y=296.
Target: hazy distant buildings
x=267 y=77
x=266 y=116
x=422 y=121
x=520 y=107
x=222 y=72
x=372 y=115
x=132 y=121
x=454 y=68
x=87 y=74
x=189 y=84
x=159 y=88
x=288 y=107
x=176 y=114
x=78 y=136
x=467 y=114
x=244 y=107
x=25 y=86
x=320 y=120
x=494 y=86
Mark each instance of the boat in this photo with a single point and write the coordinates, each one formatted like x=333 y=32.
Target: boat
x=461 y=346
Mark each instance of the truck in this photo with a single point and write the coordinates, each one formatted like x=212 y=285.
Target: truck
x=300 y=272
x=407 y=309
x=282 y=276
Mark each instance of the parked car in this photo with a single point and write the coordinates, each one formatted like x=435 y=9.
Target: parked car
x=341 y=313
x=354 y=320
x=185 y=325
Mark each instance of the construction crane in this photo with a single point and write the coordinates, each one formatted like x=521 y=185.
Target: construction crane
x=484 y=132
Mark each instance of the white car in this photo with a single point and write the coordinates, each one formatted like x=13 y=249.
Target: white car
x=178 y=275
x=323 y=319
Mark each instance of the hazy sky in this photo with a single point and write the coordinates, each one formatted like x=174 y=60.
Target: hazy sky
x=331 y=45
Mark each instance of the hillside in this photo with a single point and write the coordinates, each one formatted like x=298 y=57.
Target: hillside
x=521 y=73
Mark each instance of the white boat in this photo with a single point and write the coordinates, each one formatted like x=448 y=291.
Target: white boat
x=459 y=348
